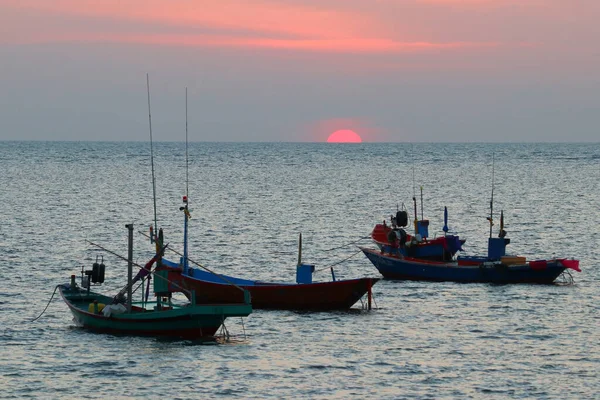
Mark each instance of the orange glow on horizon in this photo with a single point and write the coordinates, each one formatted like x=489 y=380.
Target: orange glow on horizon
x=344 y=136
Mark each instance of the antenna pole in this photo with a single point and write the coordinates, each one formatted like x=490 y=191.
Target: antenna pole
x=186 y=145
x=414 y=190
x=492 y=199
x=152 y=159
x=421 y=202
x=300 y=249
x=415 y=204
x=129 y=266
x=186 y=200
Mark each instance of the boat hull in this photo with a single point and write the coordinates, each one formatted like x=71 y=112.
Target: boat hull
x=193 y=322
x=320 y=296
x=393 y=267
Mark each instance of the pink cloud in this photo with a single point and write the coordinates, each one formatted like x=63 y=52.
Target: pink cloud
x=319 y=45
x=227 y=23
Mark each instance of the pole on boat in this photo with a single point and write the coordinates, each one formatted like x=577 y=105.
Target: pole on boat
x=300 y=249
x=152 y=160
x=491 y=218
x=369 y=294
x=502 y=232
x=186 y=145
x=414 y=190
x=445 y=228
x=416 y=219
x=129 y=266
x=185 y=234
x=186 y=197
x=422 y=203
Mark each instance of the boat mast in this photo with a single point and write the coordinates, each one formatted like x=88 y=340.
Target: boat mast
x=129 y=266
x=300 y=249
x=422 y=203
x=152 y=161
x=186 y=197
x=158 y=235
x=186 y=145
x=414 y=191
x=491 y=218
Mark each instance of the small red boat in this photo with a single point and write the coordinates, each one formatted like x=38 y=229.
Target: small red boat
x=394 y=239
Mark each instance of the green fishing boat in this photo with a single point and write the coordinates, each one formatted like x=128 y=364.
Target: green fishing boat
x=162 y=317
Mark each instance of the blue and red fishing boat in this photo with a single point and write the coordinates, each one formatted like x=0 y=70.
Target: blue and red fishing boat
x=469 y=270
x=393 y=238
x=496 y=267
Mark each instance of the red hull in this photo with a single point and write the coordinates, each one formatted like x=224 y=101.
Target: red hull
x=442 y=248
x=335 y=295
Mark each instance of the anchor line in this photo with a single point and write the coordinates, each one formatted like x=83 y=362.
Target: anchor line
x=51 y=297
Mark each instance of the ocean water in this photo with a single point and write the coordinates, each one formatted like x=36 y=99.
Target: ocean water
x=249 y=202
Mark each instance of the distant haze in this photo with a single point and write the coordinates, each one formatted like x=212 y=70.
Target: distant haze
x=291 y=70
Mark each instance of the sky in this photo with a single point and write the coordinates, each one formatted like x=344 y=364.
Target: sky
x=299 y=70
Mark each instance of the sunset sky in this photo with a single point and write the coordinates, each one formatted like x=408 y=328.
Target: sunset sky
x=298 y=70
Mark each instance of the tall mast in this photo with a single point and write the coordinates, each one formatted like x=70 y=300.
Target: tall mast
x=492 y=199
x=152 y=158
x=129 y=266
x=186 y=145
x=414 y=190
x=186 y=198
x=422 y=203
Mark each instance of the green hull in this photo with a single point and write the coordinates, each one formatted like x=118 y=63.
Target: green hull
x=186 y=322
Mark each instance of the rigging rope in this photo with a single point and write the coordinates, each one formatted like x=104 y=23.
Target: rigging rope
x=51 y=297
x=348 y=244
x=338 y=262
x=201 y=266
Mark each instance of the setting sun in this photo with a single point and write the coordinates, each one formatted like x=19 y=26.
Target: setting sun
x=344 y=136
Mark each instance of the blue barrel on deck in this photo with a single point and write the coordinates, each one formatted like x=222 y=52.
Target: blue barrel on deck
x=304 y=273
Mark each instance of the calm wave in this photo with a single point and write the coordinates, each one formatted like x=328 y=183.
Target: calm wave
x=249 y=202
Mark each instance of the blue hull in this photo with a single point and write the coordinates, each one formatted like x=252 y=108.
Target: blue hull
x=395 y=268
x=431 y=252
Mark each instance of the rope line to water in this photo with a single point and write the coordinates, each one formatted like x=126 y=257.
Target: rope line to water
x=51 y=297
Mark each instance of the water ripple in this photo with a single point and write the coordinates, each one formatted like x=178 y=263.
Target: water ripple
x=249 y=202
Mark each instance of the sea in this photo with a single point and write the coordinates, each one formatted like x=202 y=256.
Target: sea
x=249 y=203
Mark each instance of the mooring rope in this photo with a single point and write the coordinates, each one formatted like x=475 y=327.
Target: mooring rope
x=338 y=262
x=51 y=297
x=348 y=244
x=243 y=328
